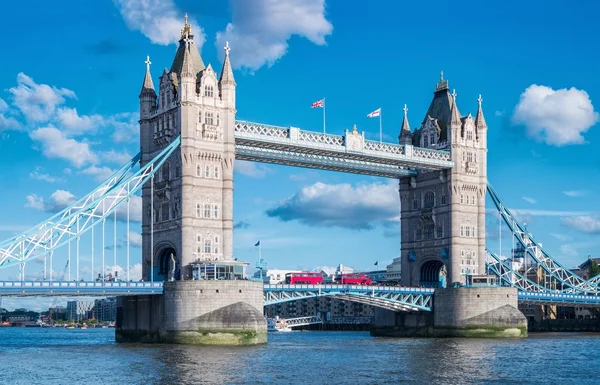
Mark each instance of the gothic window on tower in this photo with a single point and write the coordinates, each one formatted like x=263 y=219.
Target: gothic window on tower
x=209 y=91
x=415 y=204
x=207 y=210
x=218 y=119
x=429 y=200
x=165 y=171
x=444 y=199
x=432 y=139
x=428 y=231
x=216 y=173
x=425 y=141
x=209 y=118
x=216 y=245
x=216 y=210
x=162 y=100
x=207 y=246
x=177 y=170
x=439 y=231
x=198 y=210
x=199 y=170
x=164 y=211
x=469 y=135
x=419 y=234
x=207 y=171
x=462 y=199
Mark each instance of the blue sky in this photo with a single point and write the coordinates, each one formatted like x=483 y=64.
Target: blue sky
x=72 y=71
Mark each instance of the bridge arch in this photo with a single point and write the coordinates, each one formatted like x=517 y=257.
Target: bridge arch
x=432 y=272
x=162 y=255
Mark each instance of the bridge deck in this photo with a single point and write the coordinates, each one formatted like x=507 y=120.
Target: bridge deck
x=346 y=153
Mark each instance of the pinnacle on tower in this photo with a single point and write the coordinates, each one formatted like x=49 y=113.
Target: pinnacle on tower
x=454 y=114
x=187 y=48
x=479 y=119
x=226 y=72
x=443 y=84
x=405 y=125
x=148 y=85
x=405 y=134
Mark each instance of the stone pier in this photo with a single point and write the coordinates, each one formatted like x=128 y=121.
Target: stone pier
x=485 y=312
x=195 y=312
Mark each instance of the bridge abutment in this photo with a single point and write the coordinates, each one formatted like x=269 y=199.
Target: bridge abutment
x=485 y=312
x=195 y=312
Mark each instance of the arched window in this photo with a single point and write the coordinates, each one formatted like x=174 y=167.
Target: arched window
x=216 y=211
x=198 y=210
x=429 y=200
x=198 y=170
x=207 y=210
x=177 y=171
x=209 y=118
x=207 y=171
x=216 y=175
x=432 y=138
x=425 y=141
x=216 y=245
x=428 y=231
x=207 y=246
x=218 y=120
x=165 y=171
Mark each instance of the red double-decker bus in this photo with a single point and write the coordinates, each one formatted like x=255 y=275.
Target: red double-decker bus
x=310 y=278
x=355 y=279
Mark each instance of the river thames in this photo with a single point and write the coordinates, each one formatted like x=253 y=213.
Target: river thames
x=60 y=356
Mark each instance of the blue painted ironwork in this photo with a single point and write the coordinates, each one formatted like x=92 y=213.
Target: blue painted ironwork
x=559 y=299
x=562 y=278
x=80 y=217
x=346 y=153
x=77 y=288
x=388 y=297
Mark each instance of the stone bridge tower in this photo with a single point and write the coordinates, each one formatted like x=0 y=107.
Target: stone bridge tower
x=192 y=209
x=443 y=212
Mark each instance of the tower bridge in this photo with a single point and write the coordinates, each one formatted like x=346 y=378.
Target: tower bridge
x=190 y=139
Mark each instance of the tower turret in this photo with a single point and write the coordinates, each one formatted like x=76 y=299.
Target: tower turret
x=454 y=123
x=226 y=81
x=480 y=125
x=405 y=136
x=147 y=105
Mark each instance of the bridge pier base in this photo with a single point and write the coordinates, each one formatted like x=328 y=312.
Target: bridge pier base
x=195 y=312
x=485 y=312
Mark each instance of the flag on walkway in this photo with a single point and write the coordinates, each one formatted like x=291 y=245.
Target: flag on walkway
x=318 y=104
x=257 y=243
x=375 y=113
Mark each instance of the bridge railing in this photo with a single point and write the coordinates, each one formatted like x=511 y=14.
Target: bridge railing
x=342 y=288
x=75 y=284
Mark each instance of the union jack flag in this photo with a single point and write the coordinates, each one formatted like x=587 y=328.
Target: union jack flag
x=318 y=103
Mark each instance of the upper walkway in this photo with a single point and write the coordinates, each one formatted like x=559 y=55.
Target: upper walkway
x=350 y=152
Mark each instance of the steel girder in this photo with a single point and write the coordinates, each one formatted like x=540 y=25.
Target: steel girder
x=292 y=146
x=570 y=282
x=75 y=220
x=318 y=161
x=77 y=288
x=508 y=276
x=301 y=321
x=391 y=298
x=558 y=299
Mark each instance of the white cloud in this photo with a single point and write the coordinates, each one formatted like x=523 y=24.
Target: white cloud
x=561 y=237
x=61 y=199
x=251 y=169
x=37 y=175
x=530 y=200
x=498 y=113
x=3 y=105
x=56 y=145
x=158 y=20
x=135 y=272
x=575 y=193
x=69 y=119
x=37 y=102
x=135 y=239
x=360 y=207
x=556 y=117
x=115 y=157
x=126 y=128
x=100 y=173
x=548 y=213
x=260 y=29
x=584 y=223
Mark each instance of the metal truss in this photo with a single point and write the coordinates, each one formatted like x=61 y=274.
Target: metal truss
x=509 y=277
x=348 y=153
x=77 y=288
x=391 y=298
x=566 y=280
x=318 y=161
x=558 y=299
x=302 y=321
x=80 y=217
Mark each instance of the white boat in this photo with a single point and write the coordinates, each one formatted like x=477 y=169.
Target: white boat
x=277 y=325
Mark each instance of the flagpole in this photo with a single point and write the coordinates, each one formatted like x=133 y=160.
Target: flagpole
x=323 y=114
x=260 y=260
x=380 y=131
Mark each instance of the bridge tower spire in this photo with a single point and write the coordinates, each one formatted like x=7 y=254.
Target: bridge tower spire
x=405 y=136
